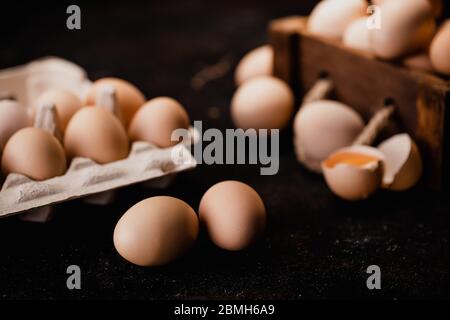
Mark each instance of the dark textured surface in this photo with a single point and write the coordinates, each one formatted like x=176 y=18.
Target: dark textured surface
x=316 y=246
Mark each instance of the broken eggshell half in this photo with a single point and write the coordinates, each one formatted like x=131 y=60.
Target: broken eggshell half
x=403 y=163
x=354 y=173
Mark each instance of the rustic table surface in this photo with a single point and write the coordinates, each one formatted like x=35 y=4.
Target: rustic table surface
x=316 y=246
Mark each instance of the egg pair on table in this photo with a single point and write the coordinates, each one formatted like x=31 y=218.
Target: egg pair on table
x=160 y=229
x=88 y=130
x=398 y=30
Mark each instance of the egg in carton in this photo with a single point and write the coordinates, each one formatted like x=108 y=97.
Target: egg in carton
x=94 y=183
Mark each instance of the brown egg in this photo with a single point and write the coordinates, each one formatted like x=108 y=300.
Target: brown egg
x=66 y=103
x=34 y=153
x=406 y=26
x=129 y=98
x=233 y=214
x=330 y=18
x=440 y=49
x=438 y=5
x=156 y=121
x=156 y=231
x=96 y=133
x=13 y=117
x=262 y=103
x=357 y=35
x=258 y=62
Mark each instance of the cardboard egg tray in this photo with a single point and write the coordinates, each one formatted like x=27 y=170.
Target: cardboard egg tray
x=95 y=183
x=360 y=80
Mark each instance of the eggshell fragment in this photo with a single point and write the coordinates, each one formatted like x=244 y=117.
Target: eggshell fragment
x=406 y=26
x=262 y=103
x=129 y=98
x=322 y=127
x=156 y=231
x=330 y=18
x=258 y=62
x=157 y=119
x=440 y=49
x=357 y=35
x=403 y=163
x=66 y=103
x=34 y=153
x=233 y=214
x=13 y=117
x=95 y=133
x=354 y=173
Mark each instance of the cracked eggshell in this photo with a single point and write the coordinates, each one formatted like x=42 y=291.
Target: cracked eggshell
x=13 y=117
x=403 y=163
x=357 y=35
x=406 y=26
x=354 y=173
x=156 y=231
x=95 y=133
x=322 y=127
x=440 y=49
x=330 y=18
x=34 y=153
x=257 y=62
x=129 y=97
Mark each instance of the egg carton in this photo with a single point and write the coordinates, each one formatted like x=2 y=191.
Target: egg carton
x=94 y=183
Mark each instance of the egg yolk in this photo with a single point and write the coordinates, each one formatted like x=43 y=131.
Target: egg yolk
x=351 y=158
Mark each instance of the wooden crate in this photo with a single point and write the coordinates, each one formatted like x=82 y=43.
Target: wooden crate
x=364 y=82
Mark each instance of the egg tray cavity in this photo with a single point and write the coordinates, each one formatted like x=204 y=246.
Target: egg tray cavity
x=84 y=178
x=365 y=83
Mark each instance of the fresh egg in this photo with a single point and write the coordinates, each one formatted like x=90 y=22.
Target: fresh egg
x=322 y=127
x=258 y=62
x=156 y=120
x=354 y=173
x=330 y=18
x=262 y=103
x=440 y=49
x=233 y=214
x=95 y=133
x=406 y=26
x=357 y=35
x=438 y=5
x=34 y=153
x=419 y=61
x=156 y=231
x=66 y=103
x=129 y=98
x=13 y=117
x=403 y=163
